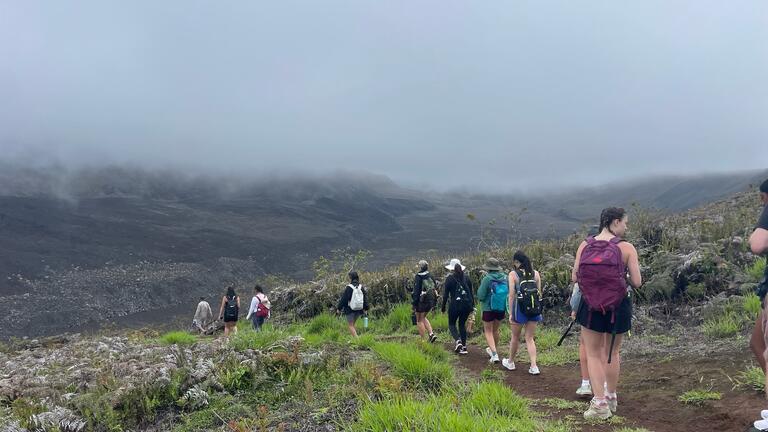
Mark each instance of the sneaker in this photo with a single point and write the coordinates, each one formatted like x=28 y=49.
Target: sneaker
x=761 y=425
x=458 y=347
x=613 y=403
x=432 y=338
x=488 y=351
x=597 y=411
x=463 y=350
x=584 y=390
x=764 y=414
x=534 y=370
x=494 y=358
x=510 y=365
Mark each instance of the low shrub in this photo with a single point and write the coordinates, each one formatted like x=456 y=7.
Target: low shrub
x=698 y=397
x=415 y=368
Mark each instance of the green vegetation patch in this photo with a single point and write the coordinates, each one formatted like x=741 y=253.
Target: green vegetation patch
x=751 y=378
x=699 y=397
x=414 y=367
x=562 y=404
x=178 y=338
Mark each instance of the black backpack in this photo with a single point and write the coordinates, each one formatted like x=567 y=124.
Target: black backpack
x=428 y=297
x=528 y=297
x=463 y=297
x=230 y=308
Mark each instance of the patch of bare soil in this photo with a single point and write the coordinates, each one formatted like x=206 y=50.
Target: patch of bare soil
x=648 y=391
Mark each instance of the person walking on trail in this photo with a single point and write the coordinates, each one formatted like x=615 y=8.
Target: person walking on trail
x=493 y=293
x=525 y=309
x=758 y=243
x=585 y=389
x=424 y=299
x=203 y=316
x=600 y=269
x=260 y=308
x=458 y=288
x=353 y=302
x=229 y=311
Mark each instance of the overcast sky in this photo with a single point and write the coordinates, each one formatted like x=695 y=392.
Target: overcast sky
x=491 y=94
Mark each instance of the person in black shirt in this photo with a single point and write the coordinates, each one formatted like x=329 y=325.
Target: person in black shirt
x=458 y=288
x=758 y=243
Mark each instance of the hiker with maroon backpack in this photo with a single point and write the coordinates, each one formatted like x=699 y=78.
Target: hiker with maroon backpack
x=260 y=308
x=758 y=244
x=605 y=313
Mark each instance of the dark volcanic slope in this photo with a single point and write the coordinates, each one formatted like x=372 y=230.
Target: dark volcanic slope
x=82 y=248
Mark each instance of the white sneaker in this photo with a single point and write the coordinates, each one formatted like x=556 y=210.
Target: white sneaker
x=764 y=414
x=761 y=425
x=613 y=403
x=584 y=390
x=533 y=370
x=458 y=346
x=488 y=351
x=494 y=358
x=597 y=411
x=510 y=365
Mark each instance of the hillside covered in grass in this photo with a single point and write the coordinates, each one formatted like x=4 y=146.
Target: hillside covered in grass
x=304 y=373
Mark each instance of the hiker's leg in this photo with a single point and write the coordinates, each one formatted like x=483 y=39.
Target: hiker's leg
x=530 y=343
x=453 y=316
x=496 y=324
x=514 y=341
x=463 y=327
x=583 y=358
x=234 y=328
x=765 y=342
x=757 y=342
x=613 y=368
x=488 y=333
x=420 y=322
x=593 y=344
x=427 y=324
x=351 y=327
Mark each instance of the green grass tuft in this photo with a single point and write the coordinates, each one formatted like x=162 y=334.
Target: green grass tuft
x=752 y=306
x=751 y=378
x=178 y=338
x=698 y=397
x=756 y=270
x=414 y=367
x=726 y=325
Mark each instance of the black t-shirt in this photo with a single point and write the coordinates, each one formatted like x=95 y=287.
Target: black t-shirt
x=763 y=221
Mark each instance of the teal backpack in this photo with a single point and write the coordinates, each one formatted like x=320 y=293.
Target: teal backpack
x=499 y=294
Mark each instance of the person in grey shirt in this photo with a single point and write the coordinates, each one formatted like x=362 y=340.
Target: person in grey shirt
x=203 y=315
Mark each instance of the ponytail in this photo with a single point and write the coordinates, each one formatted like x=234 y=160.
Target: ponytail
x=525 y=264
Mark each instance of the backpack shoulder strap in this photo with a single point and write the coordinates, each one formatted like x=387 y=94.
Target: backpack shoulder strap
x=590 y=240
x=616 y=240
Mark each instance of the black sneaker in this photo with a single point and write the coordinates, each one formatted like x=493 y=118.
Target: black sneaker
x=432 y=338
x=463 y=350
x=459 y=346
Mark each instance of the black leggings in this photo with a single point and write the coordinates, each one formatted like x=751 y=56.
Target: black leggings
x=461 y=315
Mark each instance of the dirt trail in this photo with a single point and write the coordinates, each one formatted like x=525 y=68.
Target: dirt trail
x=648 y=392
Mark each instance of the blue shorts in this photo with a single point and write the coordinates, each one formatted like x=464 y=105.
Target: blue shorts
x=521 y=318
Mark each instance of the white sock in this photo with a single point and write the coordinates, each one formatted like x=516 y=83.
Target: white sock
x=585 y=382
x=610 y=395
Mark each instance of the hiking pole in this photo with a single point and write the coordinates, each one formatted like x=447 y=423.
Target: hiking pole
x=560 y=342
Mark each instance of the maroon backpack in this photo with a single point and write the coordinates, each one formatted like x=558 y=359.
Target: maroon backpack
x=601 y=278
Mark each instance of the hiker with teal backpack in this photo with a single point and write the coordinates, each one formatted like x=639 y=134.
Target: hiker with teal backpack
x=493 y=293
x=605 y=313
x=525 y=309
x=424 y=299
x=458 y=289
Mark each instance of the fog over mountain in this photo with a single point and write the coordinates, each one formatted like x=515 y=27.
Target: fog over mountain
x=491 y=96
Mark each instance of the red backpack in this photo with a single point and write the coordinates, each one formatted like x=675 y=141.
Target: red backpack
x=601 y=278
x=262 y=310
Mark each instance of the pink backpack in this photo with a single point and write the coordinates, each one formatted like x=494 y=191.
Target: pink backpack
x=601 y=278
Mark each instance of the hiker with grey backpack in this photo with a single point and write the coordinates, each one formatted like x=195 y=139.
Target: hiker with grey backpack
x=458 y=290
x=353 y=302
x=424 y=299
x=525 y=309
x=605 y=313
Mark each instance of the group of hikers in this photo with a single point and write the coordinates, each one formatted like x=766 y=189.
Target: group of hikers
x=605 y=271
x=229 y=312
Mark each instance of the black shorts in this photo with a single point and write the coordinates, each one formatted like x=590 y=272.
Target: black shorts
x=491 y=316
x=230 y=319
x=601 y=323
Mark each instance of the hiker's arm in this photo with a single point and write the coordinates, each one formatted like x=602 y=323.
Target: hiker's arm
x=758 y=241
x=445 y=294
x=416 y=293
x=538 y=284
x=512 y=292
x=633 y=264
x=221 y=309
x=250 y=309
x=482 y=292
x=575 y=272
